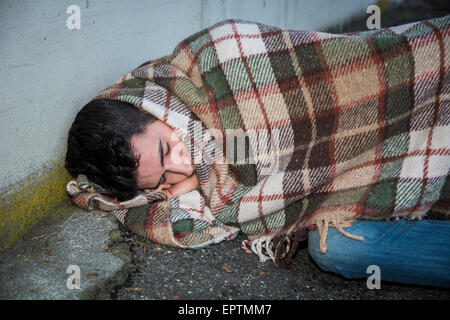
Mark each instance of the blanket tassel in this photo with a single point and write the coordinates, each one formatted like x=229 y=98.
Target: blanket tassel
x=323 y=224
x=279 y=248
x=258 y=246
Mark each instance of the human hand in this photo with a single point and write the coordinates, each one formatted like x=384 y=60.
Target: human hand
x=163 y=188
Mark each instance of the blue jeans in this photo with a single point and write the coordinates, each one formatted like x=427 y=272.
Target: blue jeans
x=413 y=252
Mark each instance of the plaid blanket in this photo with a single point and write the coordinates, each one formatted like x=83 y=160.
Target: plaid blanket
x=329 y=128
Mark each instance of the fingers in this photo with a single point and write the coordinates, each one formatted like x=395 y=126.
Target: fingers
x=161 y=187
x=167 y=193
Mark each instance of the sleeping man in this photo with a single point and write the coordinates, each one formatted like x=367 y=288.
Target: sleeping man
x=358 y=126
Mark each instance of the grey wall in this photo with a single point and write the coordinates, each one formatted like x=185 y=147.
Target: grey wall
x=48 y=72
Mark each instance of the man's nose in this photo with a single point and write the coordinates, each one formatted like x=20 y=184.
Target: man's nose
x=179 y=162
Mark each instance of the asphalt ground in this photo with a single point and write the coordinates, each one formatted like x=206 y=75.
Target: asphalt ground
x=225 y=272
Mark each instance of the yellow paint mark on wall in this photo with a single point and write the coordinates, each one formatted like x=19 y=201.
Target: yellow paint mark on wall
x=36 y=197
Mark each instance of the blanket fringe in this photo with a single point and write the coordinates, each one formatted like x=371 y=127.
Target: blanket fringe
x=264 y=244
x=286 y=244
x=259 y=245
x=335 y=219
x=278 y=248
x=281 y=248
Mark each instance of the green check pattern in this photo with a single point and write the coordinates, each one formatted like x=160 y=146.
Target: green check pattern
x=338 y=128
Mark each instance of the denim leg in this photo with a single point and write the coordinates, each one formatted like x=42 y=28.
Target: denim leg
x=413 y=252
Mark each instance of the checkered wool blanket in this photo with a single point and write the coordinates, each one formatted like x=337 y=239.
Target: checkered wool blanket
x=291 y=130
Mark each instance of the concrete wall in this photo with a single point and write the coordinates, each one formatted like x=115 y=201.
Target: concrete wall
x=48 y=72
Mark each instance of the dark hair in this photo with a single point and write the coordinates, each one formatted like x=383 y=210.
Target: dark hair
x=99 y=145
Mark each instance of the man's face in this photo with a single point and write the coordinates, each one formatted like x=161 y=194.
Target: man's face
x=164 y=157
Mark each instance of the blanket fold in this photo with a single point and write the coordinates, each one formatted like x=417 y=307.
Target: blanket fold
x=293 y=130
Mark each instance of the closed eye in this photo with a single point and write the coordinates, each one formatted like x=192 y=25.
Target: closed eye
x=163 y=180
x=163 y=177
x=168 y=149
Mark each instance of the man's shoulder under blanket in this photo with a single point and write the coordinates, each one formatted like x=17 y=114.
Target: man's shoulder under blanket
x=350 y=126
